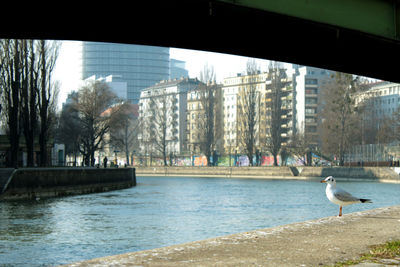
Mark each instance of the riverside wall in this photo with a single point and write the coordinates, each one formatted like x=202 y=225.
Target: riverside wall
x=384 y=174
x=33 y=183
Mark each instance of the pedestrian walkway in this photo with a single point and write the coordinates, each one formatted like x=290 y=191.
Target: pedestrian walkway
x=321 y=242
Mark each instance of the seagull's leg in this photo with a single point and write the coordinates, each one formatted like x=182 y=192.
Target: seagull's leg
x=340 y=211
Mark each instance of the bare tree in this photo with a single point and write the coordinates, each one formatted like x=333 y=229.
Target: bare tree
x=124 y=129
x=92 y=101
x=29 y=93
x=274 y=120
x=69 y=129
x=249 y=98
x=338 y=115
x=299 y=146
x=47 y=95
x=11 y=82
x=209 y=100
x=163 y=123
x=367 y=122
x=386 y=130
x=396 y=124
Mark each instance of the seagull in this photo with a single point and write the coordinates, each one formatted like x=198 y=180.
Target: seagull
x=340 y=197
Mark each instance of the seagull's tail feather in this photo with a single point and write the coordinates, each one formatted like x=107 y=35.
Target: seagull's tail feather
x=364 y=200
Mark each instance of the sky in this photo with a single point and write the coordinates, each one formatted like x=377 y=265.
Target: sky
x=68 y=66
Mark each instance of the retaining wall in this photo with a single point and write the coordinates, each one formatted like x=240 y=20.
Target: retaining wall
x=32 y=183
x=281 y=172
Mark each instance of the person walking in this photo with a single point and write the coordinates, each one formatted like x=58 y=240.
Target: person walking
x=105 y=162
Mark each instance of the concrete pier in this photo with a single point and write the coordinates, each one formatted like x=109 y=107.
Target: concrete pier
x=312 y=243
x=33 y=183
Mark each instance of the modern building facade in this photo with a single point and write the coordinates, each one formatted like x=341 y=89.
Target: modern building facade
x=177 y=69
x=117 y=85
x=139 y=66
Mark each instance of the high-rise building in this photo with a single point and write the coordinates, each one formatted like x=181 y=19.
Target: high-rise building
x=177 y=69
x=308 y=83
x=139 y=66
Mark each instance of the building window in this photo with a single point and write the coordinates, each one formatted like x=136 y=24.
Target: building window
x=311 y=101
x=311 y=129
x=310 y=110
x=311 y=91
x=311 y=81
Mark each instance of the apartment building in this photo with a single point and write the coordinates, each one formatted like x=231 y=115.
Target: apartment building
x=163 y=109
x=197 y=103
x=382 y=98
x=233 y=93
x=285 y=94
x=307 y=85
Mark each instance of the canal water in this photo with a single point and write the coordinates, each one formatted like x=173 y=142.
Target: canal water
x=162 y=211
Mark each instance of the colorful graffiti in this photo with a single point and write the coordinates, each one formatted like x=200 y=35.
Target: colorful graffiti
x=199 y=161
x=232 y=160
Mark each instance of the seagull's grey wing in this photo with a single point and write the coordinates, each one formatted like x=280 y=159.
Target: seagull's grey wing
x=344 y=196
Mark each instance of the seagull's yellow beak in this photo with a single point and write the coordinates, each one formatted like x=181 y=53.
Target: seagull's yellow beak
x=323 y=181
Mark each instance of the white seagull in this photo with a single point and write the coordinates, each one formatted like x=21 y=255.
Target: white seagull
x=340 y=197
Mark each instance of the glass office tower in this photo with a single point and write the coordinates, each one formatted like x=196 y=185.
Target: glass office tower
x=140 y=66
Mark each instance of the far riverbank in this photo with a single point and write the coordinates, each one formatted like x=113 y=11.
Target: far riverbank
x=381 y=174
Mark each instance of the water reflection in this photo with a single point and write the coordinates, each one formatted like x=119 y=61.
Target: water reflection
x=160 y=212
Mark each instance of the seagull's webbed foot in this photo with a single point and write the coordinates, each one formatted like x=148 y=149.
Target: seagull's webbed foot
x=340 y=211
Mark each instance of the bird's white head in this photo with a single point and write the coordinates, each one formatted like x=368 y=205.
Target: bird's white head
x=329 y=180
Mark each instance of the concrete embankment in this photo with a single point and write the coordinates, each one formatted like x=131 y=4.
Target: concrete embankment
x=312 y=243
x=385 y=174
x=32 y=183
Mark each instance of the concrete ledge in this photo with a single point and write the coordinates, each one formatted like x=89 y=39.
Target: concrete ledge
x=311 y=243
x=385 y=174
x=31 y=183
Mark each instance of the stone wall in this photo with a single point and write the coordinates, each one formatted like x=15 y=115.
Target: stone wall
x=33 y=183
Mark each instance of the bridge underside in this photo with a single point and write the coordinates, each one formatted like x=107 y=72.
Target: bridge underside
x=360 y=37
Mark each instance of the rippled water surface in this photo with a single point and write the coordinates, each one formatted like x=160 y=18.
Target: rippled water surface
x=163 y=211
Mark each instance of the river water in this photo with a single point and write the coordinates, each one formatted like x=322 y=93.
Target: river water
x=162 y=211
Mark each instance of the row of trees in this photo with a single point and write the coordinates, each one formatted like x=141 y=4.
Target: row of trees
x=28 y=95
x=341 y=123
x=29 y=108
